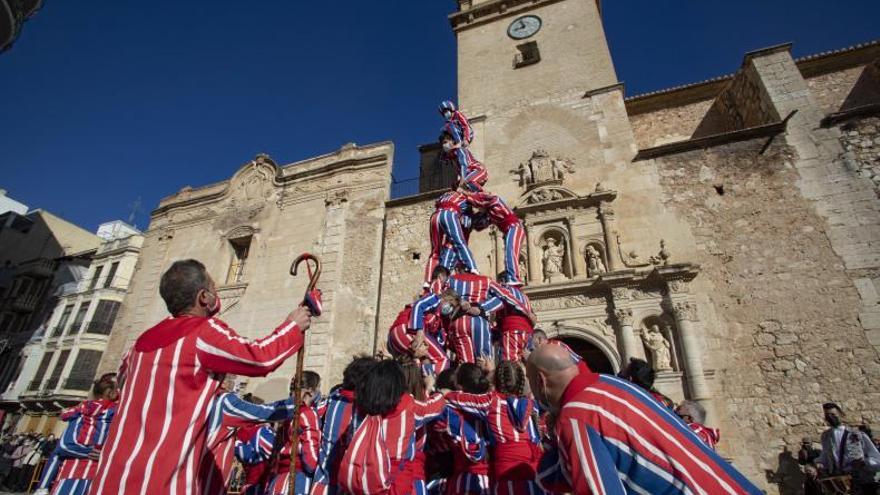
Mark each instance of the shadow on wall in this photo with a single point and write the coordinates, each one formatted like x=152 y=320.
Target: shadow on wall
x=787 y=475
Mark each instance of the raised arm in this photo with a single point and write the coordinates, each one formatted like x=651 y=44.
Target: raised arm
x=420 y=308
x=221 y=350
x=238 y=412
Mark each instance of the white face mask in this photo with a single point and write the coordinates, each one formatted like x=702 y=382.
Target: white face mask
x=447 y=114
x=447 y=309
x=447 y=146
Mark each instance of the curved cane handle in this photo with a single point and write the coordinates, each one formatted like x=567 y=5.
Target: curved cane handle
x=313 y=275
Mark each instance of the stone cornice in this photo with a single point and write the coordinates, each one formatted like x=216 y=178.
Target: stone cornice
x=590 y=200
x=348 y=158
x=602 y=285
x=489 y=11
x=768 y=130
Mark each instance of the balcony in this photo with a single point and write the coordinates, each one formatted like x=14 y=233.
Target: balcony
x=78 y=383
x=39 y=268
x=25 y=303
x=99 y=327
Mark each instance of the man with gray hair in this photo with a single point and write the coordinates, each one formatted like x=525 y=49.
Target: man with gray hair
x=694 y=414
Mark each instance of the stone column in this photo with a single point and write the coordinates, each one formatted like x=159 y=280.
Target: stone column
x=685 y=314
x=629 y=345
x=609 y=229
x=578 y=264
x=536 y=271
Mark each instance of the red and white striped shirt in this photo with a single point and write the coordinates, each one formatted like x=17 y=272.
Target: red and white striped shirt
x=171 y=377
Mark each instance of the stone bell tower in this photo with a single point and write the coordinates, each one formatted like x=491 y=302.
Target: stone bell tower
x=514 y=50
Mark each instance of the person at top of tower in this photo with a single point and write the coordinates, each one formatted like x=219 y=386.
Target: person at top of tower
x=455 y=138
x=611 y=437
x=170 y=375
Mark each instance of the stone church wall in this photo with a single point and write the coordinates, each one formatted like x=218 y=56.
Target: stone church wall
x=787 y=335
x=861 y=143
x=666 y=125
x=831 y=89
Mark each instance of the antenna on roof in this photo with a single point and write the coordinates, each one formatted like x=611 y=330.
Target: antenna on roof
x=135 y=209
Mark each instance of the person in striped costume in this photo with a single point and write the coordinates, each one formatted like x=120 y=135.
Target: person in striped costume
x=468 y=436
x=228 y=413
x=309 y=443
x=339 y=422
x=384 y=404
x=516 y=327
x=613 y=438
x=170 y=376
x=694 y=415
x=466 y=301
x=510 y=225
x=449 y=239
x=512 y=430
x=423 y=345
x=81 y=443
x=252 y=449
x=455 y=139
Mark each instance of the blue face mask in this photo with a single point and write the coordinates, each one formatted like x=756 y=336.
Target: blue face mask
x=447 y=309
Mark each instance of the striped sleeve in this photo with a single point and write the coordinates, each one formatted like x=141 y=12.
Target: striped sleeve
x=429 y=410
x=68 y=446
x=238 y=412
x=506 y=295
x=477 y=404
x=309 y=439
x=491 y=305
x=256 y=449
x=221 y=350
x=425 y=304
x=591 y=468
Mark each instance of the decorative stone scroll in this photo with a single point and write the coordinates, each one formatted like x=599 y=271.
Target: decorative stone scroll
x=563 y=302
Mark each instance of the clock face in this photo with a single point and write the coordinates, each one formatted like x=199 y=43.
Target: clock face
x=524 y=27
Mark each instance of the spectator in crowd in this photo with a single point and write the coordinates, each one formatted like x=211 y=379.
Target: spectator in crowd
x=807 y=457
x=642 y=374
x=848 y=451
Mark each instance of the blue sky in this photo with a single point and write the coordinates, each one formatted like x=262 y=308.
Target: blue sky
x=117 y=101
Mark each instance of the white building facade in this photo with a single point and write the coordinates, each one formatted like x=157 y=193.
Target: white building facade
x=60 y=361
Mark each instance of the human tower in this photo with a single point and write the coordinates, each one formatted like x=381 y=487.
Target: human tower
x=450 y=321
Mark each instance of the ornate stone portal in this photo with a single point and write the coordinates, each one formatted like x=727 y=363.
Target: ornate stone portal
x=581 y=282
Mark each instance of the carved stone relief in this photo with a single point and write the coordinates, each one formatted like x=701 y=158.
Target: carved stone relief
x=542 y=168
x=661 y=355
x=563 y=302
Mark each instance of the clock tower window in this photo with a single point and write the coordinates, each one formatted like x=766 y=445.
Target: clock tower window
x=528 y=55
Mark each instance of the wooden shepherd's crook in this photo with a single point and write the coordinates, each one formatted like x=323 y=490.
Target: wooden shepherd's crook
x=300 y=361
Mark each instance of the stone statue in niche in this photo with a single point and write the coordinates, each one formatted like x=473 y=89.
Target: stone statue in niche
x=553 y=258
x=524 y=269
x=595 y=265
x=659 y=346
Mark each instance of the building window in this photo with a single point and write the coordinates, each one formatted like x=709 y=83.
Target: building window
x=56 y=372
x=528 y=55
x=96 y=277
x=65 y=315
x=240 y=249
x=80 y=316
x=84 y=368
x=103 y=318
x=41 y=372
x=6 y=320
x=111 y=274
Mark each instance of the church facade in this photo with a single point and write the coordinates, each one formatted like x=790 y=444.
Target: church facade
x=727 y=231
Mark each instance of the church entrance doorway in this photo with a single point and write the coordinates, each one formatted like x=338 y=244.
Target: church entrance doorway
x=595 y=357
